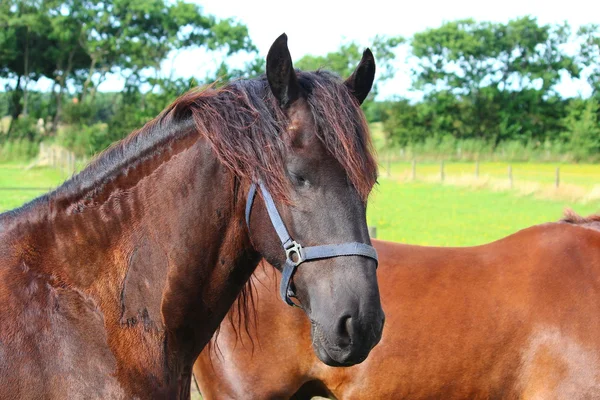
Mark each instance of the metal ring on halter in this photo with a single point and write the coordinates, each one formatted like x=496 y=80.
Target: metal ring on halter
x=293 y=248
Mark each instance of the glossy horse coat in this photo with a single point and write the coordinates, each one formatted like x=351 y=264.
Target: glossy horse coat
x=111 y=285
x=518 y=318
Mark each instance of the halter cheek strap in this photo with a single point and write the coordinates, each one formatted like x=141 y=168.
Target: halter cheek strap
x=294 y=252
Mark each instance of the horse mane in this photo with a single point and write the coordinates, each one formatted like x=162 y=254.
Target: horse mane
x=571 y=217
x=244 y=125
x=242 y=316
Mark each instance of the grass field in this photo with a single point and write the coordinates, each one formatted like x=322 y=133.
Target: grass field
x=419 y=212
x=29 y=183
x=445 y=215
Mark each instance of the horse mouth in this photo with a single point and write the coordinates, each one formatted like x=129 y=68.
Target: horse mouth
x=334 y=355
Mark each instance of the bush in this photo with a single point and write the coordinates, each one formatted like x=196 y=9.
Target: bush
x=582 y=129
x=18 y=150
x=24 y=127
x=451 y=149
x=84 y=140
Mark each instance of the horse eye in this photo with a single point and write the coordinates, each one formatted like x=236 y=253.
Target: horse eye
x=299 y=180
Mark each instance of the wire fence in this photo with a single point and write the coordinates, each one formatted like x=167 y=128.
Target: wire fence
x=573 y=182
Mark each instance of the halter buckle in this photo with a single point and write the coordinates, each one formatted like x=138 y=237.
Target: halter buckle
x=296 y=249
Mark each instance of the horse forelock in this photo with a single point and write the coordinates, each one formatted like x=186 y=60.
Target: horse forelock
x=342 y=128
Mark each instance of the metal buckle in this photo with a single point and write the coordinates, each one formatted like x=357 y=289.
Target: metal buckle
x=295 y=248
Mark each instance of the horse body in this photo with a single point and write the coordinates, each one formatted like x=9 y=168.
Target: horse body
x=136 y=277
x=111 y=285
x=514 y=319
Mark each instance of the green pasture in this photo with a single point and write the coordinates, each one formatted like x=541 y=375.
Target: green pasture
x=443 y=215
x=419 y=212
x=23 y=185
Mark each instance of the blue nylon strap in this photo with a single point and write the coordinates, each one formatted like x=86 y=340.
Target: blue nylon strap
x=286 y=278
x=295 y=253
x=251 y=194
x=276 y=220
x=344 y=249
x=278 y=224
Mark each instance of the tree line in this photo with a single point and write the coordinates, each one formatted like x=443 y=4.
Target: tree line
x=485 y=84
x=482 y=85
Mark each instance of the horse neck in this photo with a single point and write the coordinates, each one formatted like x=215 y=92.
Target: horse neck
x=163 y=249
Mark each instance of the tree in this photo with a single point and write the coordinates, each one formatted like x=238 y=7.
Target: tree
x=24 y=45
x=590 y=55
x=582 y=128
x=506 y=72
x=76 y=43
x=346 y=58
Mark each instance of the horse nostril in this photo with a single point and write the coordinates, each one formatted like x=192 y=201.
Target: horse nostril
x=349 y=328
x=345 y=330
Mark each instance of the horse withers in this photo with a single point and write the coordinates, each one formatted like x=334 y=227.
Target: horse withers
x=112 y=284
x=518 y=318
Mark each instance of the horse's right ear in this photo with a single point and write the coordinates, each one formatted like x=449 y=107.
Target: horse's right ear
x=280 y=73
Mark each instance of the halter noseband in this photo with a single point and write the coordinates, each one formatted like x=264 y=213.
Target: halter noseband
x=294 y=252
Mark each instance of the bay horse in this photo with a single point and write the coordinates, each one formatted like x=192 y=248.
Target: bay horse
x=112 y=284
x=518 y=318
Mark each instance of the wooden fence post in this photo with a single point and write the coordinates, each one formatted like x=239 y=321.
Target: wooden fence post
x=373 y=232
x=442 y=170
x=510 y=176
x=477 y=169
x=414 y=169
x=557 y=179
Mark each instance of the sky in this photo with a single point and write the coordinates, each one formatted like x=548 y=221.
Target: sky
x=320 y=26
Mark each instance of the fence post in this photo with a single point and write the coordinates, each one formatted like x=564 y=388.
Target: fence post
x=414 y=169
x=477 y=169
x=442 y=170
x=389 y=164
x=510 y=176
x=373 y=232
x=557 y=180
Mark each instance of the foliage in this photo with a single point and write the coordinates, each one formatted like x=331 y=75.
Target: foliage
x=76 y=43
x=583 y=129
x=24 y=128
x=85 y=140
x=496 y=83
x=590 y=55
x=490 y=86
x=18 y=150
x=344 y=61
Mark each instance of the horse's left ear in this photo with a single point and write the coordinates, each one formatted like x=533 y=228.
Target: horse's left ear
x=361 y=80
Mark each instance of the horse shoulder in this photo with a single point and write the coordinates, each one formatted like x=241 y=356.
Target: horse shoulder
x=47 y=335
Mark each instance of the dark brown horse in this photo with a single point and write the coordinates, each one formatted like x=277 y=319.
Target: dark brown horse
x=111 y=285
x=518 y=318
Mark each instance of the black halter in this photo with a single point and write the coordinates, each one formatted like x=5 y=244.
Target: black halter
x=294 y=252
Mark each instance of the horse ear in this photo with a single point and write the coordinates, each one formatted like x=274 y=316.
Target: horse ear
x=361 y=80
x=280 y=72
